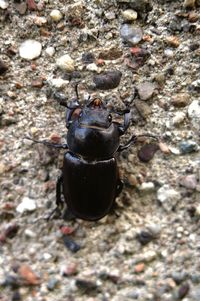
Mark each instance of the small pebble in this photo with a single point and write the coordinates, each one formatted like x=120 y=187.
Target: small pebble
x=188 y=146
x=92 y=67
x=189 y=181
x=86 y=286
x=129 y=15
x=107 y=80
x=71 y=244
x=178 y=118
x=194 y=113
x=30 y=49
x=147 y=187
x=189 y=3
x=3 y=4
x=164 y=148
x=50 y=51
x=168 y=197
x=88 y=58
x=28 y=275
x=111 y=53
x=131 y=34
x=52 y=284
x=56 y=15
x=69 y=270
x=31 y=5
x=180 y=100
x=143 y=108
x=65 y=63
x=144 y=237
x=147 y=151
x=145 y=90
x=197 y=211
x=139 y=268
x=3 y=67
x=26 y=204
x=21 y=8
x=11 y=230
x=58 y=82
x=16 y=296
x=169 y=53
x=183 y=290
x=11 y=282
x=173 y=41
x=29 y=233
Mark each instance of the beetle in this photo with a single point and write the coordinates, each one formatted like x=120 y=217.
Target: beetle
x=90 y=179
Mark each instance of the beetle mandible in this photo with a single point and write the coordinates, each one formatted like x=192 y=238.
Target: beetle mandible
x=90 y=179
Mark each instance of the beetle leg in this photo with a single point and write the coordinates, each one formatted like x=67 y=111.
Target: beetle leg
x=127 y=120
x=119 y=188
x=56 y=145
x=132 y=140
x=59 y=202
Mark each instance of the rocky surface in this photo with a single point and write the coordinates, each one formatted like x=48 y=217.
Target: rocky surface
x=149 y=249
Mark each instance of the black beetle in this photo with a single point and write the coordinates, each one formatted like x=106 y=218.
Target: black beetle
x=90 y=180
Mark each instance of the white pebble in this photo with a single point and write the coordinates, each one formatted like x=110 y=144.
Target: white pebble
x=27 y=204
x=30 y=49
x=178 y=118
x=194 y=112
x=58 y=82
x=3 y=4
x=129 y=15
x=147 y=186
x=169 y=53
x=92 y=67
x=66 y=63
x=47 y=256
x=29 y=233
x=56 y=15
x=50 y=51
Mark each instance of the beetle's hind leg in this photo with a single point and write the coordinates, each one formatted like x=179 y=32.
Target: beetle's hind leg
x=59 y=202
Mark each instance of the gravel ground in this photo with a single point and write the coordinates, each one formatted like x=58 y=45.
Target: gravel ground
x=149 y=249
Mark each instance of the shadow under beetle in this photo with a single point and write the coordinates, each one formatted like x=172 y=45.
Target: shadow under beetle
x=90 y=180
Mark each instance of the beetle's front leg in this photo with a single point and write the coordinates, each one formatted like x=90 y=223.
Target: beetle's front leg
x=127 y=119
x=132 y=140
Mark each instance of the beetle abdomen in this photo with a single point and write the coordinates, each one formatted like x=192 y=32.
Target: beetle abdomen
x=89 y=187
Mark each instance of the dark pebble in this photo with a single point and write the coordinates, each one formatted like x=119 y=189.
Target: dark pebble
x=188 y=147
x=3 y=67
x=86 y=286
x=147 y=151
x=110 y=54
x=52 y=284
x=88 y=58
x=194 y=46
x=183 y=290
x=144 y=237
x=16 y=296
x=11 y=281
x=179 y=277
x=70 y=244
x=107 y=80
x=11 y=230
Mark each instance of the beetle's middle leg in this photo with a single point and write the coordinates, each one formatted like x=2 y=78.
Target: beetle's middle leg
x=59 y=202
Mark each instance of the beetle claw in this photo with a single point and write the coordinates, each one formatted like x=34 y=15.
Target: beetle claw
x=55 y=213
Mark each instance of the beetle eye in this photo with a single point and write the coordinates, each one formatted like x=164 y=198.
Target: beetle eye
x=109 y=118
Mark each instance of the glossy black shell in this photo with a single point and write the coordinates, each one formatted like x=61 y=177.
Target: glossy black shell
x=89 y=187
